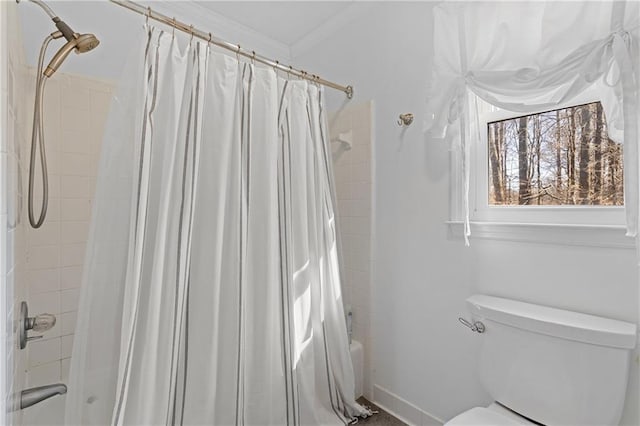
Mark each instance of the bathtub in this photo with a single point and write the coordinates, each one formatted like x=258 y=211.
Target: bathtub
x=49 y=412
x=357 y=359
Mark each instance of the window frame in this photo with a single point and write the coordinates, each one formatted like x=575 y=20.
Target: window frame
x=569 y=215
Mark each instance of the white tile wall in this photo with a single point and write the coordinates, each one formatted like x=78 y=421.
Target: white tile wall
x=75 y=113
x=11 y=249
x=43 y=374
x=352 y=169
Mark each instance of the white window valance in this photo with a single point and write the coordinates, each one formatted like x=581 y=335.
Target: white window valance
x=530 y=56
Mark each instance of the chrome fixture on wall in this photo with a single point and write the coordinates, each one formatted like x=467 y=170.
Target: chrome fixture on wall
x=32 y=396
x=39 y=323
x=81 y=43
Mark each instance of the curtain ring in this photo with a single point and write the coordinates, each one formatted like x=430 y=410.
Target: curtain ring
x=238 y=53
x=148 y=14
x=289 y=72
x=210 y=37
x=275 y=67
x=173 y=30
x=191 y=32
x=253 y=57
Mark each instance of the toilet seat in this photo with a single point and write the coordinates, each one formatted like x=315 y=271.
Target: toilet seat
x=494 y=415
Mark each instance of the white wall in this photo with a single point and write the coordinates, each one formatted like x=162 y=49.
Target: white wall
x=423 y=359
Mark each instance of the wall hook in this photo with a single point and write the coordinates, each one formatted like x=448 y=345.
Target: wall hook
x=405 y=119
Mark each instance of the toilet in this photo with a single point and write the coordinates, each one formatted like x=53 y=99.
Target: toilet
x=548 y=366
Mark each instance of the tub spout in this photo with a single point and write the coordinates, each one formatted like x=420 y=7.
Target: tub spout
x=29 y=397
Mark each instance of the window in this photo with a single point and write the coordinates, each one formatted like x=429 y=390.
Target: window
x=554 y=158
x=551 y=167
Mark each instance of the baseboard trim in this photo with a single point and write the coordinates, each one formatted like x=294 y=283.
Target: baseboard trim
x=402 y=409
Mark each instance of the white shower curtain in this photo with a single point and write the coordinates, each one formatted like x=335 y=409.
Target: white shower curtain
x=211 y=289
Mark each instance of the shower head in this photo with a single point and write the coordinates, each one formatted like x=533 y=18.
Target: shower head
x=86 y=42
x=81 y=43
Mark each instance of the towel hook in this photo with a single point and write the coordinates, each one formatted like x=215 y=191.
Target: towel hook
x=405 y=119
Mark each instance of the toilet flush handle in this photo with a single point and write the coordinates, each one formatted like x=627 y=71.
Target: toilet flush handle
x=476 y=327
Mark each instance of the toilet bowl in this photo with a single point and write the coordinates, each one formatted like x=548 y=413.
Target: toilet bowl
x=548 y=366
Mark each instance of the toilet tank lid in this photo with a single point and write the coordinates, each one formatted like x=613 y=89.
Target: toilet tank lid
x=554 y=322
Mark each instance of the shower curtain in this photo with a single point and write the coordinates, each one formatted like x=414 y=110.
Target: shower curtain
x=211 y=290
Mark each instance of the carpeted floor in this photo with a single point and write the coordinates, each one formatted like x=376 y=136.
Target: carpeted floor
x=381 y=419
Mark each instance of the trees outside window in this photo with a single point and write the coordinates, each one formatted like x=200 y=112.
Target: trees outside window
x=554 y=158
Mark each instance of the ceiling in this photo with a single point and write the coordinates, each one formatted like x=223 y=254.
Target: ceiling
x=269 y=27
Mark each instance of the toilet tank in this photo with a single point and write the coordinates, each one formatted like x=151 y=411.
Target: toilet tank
x=553 y=366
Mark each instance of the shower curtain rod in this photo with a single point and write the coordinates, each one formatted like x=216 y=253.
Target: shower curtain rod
x=208 y=37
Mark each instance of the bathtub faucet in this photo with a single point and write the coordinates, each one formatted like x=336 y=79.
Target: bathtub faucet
x=29 y=397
